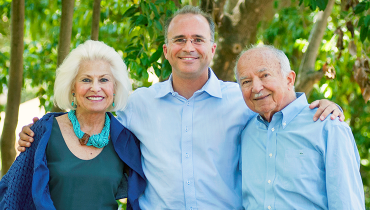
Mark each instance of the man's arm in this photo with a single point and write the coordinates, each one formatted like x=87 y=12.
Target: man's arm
x=342 y=164
x=325 y=107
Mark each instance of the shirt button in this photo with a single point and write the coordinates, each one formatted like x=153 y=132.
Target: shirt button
x=269 y=207
x=187 y=155
x=272 y=129
x=186 y=128
x=188 y=103
x=173 y=94
x=188 y=182
x=269 y=181
x=270 y=154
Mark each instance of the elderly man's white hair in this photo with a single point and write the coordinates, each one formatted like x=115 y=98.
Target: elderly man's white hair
x=91 y=51
x=280 y=55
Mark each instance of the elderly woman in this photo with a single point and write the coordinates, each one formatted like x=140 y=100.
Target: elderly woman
x=84 y=159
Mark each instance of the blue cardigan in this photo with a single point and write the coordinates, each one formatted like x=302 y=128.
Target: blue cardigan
x=25 y=186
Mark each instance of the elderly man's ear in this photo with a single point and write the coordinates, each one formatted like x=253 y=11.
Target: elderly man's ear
x=291 y=80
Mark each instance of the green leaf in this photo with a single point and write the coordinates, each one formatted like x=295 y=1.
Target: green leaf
x=363 y=33
x=161 y=9
x=41 y=91
x=367 y=20
x=141 y=20
x=168 y=13
x=160 y=38
x=132 y=49
x=313 y=5
x=143 y=7
x=156 y=55
x=360 y=7
x=322 y=4
x=166 y=69
x=131 y=11
x=361 y=21
x=144 y=60
x=133 y=20
x=139 y=69
x=157 y=70
x=134 y=66
x=158 y=25
x=145 y=75
x=151 y=31
x=160 y=2
x=154 y=9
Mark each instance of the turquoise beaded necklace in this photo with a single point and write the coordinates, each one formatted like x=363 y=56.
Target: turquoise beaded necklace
x=97 y=140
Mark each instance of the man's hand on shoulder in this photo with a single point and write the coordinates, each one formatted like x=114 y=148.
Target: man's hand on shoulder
x=26 y=136
x=325 y=107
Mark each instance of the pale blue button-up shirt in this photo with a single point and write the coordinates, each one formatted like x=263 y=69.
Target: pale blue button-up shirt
x=295 y=163
x=190 y=148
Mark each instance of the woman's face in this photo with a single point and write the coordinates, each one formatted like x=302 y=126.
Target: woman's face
x=94 y=87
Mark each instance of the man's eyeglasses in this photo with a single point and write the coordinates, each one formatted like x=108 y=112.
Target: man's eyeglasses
x=182 y=41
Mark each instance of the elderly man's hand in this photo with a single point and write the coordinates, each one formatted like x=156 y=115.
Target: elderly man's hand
x=25 y=136
x=325 y=107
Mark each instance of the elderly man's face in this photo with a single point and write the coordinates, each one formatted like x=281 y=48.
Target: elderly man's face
x=189 y=60
x=265 y=89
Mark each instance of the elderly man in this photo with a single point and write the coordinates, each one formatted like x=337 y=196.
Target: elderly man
x=189 y=126
x=291 y=162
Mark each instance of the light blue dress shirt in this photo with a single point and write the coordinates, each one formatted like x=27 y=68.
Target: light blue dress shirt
x=295 y=163
x=190 y=148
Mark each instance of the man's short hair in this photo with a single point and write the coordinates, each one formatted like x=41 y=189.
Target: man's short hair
x=280 y=55
x=191 y=10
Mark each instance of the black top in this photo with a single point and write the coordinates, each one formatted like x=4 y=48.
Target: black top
x=82 y=184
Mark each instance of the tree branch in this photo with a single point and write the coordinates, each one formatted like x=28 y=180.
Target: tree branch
x=310 y=79
x=218 y=11
x=95 y=20
x=307 y=66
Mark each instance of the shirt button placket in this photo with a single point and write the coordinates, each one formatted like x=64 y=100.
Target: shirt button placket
x=187 y=158
x=271 y=165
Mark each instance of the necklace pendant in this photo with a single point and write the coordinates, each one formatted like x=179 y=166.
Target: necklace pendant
x=84 y=139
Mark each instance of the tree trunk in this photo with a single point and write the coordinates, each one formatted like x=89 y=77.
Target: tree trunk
x=307 y=76
x=236 y=31
x=65 y=35
x=95 y=21
x=15 y=85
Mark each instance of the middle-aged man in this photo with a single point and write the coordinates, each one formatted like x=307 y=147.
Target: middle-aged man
x=291 y=162
x=189 y=126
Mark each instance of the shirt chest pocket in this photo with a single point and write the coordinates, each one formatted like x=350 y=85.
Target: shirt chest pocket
x=302 y=168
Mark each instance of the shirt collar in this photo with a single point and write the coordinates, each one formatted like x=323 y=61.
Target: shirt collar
x=165 y=88
x=212 y=86
x=290 y=111
x=294 y=108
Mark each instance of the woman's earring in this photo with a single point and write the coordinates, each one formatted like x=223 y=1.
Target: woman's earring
x=113 y=99
x=74 y=104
